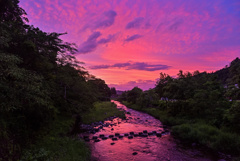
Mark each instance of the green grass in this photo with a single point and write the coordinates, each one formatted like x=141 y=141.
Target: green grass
x=209 y=136
x=158 y=114
x=56 y=145
x=101 y=111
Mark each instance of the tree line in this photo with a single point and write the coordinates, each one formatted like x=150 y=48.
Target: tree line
x=194 y=99
x=205 y=95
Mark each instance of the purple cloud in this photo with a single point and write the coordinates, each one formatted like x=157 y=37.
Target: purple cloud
x=133 y=37
x=89 y=45
x=136 y=23
x=134 y=66
x=175 y=25
x=121 y=65
x=147 y=67
x=107 y=40
x=94 y=36
x=108 y=20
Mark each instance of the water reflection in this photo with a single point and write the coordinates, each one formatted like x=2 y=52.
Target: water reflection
x=147 y=147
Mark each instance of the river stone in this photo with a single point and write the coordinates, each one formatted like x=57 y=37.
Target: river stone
x=130 y=137
x=112 y=143
x=112 y=128
x=94 y=137
x=154 y=132
x=144 y=135
x=104 y=138
x=131 y=133
x=114 y=139
x=120 y=136
x=126 y=134
x=101 y=135
x=111 y=136
x=117 y=134
x=140 y=133
x=135 y=135
x=150 y=133
x=134 y=153
x=159 y=134
x=145 y=131
x=163 y=133
x=97 y=140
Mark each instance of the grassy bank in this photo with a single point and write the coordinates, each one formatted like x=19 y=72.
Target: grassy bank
x=196 y=131
x=101 y=111
x=54 y=143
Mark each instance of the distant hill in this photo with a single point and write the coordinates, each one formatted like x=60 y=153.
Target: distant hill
x=119 y=92
x=231 y=74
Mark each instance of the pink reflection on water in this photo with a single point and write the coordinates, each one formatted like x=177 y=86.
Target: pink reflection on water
x=150 y=148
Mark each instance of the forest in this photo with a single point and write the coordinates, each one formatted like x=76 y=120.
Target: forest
x=202 y=108
x=40 y=82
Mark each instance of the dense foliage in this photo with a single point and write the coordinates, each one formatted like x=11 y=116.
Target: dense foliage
x=194 y=100
x=40 y=79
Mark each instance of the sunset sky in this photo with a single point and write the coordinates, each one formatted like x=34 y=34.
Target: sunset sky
x=128 y=43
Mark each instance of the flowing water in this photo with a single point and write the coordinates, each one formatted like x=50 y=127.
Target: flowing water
x=148 y=146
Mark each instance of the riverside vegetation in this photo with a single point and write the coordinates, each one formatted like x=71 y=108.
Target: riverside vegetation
x=55 y=145
x=202 y=108
x=42 y=88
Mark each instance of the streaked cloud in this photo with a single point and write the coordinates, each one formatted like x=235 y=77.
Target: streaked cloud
x=91 y=43
x=110 y=38
x=133 y=37
x=134 y=66
x=136 y=23
x=107 y=20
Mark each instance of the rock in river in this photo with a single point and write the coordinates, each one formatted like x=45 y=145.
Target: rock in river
x=114 y=139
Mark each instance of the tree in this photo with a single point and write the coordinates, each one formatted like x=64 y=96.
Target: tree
x=133 y=94
x=100 y=88
x=113 y=91
x=161 y=83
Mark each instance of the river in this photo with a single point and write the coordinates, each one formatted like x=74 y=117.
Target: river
x=148 y=146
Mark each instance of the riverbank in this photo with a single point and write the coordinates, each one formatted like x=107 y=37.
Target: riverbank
x=102 y=111
x=196 y=132
x=56 y=143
